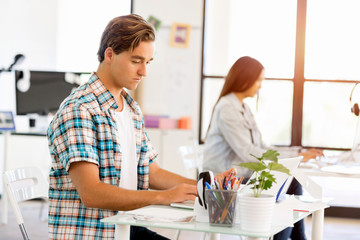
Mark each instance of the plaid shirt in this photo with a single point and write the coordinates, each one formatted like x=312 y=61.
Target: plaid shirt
x=84 y=129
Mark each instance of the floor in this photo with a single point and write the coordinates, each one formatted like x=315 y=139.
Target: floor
x=36 y=225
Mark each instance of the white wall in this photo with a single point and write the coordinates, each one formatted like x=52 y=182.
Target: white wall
x=7 y=91
x=56 y=35
x=62 y=35
x=80 y=26
x=172 y=86
x=28 y=27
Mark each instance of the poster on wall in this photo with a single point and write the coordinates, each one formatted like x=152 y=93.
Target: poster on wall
x=155 y=22
x=180 y=35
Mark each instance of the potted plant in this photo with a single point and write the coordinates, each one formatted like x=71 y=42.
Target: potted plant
x=255 y=210
x=264 y=179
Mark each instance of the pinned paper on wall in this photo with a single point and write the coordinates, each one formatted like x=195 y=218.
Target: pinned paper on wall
x=154 y=21
x=180 y=35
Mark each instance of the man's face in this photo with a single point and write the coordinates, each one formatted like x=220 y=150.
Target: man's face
x=128 y=68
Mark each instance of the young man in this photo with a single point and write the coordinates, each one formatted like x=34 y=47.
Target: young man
x=102 y=159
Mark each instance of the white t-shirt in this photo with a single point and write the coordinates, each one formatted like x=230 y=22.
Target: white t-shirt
x=126 y=138
x=127 y=141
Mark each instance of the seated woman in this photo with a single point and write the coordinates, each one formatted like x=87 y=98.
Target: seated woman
x=233 y=133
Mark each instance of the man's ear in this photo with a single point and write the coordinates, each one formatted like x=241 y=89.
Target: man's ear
x=109 y=54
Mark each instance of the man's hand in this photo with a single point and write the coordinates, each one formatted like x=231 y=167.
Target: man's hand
x=312 y=153
x=179 y=193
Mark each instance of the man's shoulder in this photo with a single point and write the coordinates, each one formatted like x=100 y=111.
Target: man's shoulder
x=84 y=95
x=78 y=105
x=81 y=99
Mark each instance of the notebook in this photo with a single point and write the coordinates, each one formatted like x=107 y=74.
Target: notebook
x=187 y=204
x=282 y=179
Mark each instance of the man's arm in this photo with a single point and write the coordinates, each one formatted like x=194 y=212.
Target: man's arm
x=96 y=194
x=161 y=179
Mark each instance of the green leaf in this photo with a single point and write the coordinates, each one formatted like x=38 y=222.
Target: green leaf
x=278 y=167
x=268 y=175
x=252 y=181
x=268 y=184
x=258 y=158
x=253 y=166
x=271 y=155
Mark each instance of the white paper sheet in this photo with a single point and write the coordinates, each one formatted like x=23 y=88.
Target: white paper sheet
x=159 y=213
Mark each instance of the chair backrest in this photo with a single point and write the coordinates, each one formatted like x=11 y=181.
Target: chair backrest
x=192 y=156
x=24 y=184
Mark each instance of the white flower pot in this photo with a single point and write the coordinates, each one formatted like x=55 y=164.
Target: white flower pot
x=255 y=213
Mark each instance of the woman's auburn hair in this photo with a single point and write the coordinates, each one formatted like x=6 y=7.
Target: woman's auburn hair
x=241 y=76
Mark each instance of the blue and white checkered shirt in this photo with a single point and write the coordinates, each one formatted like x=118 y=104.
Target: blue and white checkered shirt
x=84 y=129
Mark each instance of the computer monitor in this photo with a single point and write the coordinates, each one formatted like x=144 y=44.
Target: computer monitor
x=46 y=93
x=6 y=121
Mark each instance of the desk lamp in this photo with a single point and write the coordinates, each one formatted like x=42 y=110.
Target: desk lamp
x=19 y=58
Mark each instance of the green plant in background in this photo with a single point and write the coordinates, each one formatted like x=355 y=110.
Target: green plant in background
x=264 y=179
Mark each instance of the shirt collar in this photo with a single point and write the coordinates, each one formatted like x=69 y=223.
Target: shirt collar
x=236 y=102
x=105 y=98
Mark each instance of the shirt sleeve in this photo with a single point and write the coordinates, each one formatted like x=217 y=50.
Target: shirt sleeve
x=237 y=133
x=150 y=150
x=74 y=137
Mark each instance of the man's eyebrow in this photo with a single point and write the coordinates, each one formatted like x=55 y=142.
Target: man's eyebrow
x=141 y=58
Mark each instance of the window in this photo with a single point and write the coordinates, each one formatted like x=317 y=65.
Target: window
x=332 y=46
x=235 y=28
x=309 y=50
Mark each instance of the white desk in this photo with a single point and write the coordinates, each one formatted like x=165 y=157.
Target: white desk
x=334 y=171
x=337 y=182
x=124 y=219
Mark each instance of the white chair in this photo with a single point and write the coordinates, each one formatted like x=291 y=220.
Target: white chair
x=192 y=156
x=24 y=184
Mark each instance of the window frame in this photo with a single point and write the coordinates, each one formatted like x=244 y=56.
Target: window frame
x=298 y=79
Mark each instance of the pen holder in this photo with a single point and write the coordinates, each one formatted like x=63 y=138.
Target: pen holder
x=221 y=206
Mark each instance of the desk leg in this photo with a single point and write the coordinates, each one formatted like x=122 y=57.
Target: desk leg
x=317 y=225
x=214 y=236
x=122 y=232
